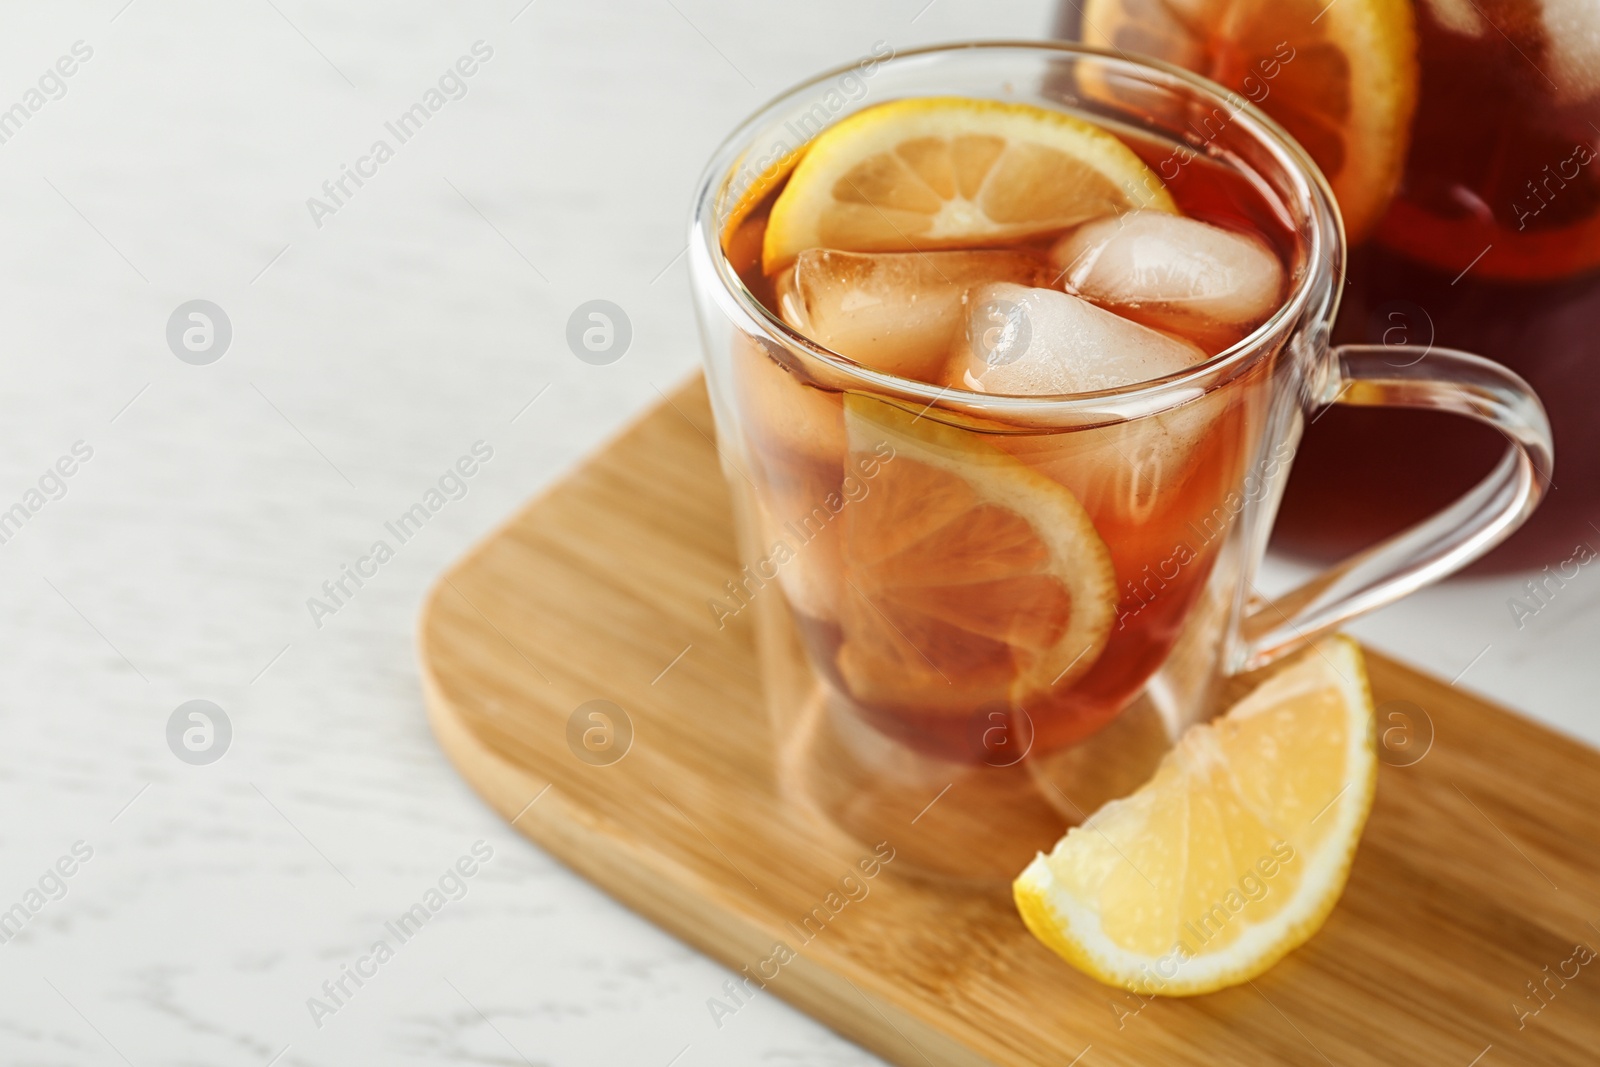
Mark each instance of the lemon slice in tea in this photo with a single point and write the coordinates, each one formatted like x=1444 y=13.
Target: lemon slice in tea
x=953 y=172
x=969 y=577
x=1341 y=77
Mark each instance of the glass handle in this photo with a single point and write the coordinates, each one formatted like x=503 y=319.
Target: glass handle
x=1437 y=379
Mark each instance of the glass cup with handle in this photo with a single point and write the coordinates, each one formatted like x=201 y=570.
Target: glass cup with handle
x=982 y=610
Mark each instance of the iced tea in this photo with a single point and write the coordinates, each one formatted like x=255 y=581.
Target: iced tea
x=950 y=574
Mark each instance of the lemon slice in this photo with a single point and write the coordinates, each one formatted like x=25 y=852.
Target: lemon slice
x=1233 y=854
x=952 y=172
x=969 y=576
x=1341 y=77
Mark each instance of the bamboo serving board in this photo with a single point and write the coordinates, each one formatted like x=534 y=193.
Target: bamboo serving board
x=1478 y=875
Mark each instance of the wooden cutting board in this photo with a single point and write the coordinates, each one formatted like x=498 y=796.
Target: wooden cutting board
x=1478 y=875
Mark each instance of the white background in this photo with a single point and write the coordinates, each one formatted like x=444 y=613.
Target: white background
x=368 y=354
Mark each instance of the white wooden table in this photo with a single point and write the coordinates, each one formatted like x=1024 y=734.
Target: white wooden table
x=375 y=338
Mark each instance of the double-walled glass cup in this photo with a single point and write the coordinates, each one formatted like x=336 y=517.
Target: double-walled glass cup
x=969 y=753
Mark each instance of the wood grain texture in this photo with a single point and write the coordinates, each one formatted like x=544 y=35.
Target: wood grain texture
x=1479 y=872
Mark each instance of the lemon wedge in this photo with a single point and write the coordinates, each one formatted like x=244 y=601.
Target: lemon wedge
x=1233 y=854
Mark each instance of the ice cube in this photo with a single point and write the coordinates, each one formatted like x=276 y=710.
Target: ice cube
x=1024 y=341
x=1173 y=273
x=1459 y=16
x=1042 y=341
x=1572 y=35
x=1145 y=479
x=800 y=537
x=894 y=312
x=784 y=415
